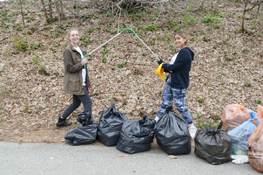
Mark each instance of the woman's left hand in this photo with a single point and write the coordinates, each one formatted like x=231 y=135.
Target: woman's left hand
x=84 y=61
x=89 y=89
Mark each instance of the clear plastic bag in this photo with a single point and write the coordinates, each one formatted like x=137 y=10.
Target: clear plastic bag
x=240 y=136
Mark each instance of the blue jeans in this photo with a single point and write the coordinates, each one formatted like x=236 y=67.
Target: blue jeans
x=178 y=95
x=77 y=99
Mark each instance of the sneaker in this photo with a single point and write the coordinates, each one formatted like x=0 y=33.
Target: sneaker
x=62 y=122
x=192 y=130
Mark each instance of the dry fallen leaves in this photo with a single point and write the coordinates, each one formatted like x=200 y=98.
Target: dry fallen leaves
x=123 y=155
x=172 y=157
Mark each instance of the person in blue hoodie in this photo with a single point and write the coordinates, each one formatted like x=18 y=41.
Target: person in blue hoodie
x=177 y=81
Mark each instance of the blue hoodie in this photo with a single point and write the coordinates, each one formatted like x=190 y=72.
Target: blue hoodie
x=181 y=68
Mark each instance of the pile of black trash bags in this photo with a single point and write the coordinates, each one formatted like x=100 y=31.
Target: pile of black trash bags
x=133 y=136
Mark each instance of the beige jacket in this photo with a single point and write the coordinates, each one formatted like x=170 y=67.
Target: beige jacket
x=72 y=83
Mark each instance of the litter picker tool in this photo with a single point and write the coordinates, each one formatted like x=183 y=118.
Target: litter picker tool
x=159 y=71
x=102 y=45
x=142 y=41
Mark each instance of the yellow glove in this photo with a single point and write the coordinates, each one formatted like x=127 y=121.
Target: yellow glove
x=160 y=72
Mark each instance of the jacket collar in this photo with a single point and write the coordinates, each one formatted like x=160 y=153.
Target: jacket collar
x=71 y=47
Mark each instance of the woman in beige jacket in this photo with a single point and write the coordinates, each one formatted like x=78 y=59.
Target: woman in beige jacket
x=76 y=78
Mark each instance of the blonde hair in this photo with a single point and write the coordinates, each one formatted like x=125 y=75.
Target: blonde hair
x=73 y=29
x=182 y=34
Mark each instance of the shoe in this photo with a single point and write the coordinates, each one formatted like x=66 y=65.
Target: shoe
x=62 y=122
x=192 y=130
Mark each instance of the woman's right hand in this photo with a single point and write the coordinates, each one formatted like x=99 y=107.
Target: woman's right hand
x=84 y=61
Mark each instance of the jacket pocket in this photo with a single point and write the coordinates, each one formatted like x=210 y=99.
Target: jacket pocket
x=74 y=82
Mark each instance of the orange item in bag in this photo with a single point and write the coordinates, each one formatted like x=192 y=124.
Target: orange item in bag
x=255 y=144
x=234 y=115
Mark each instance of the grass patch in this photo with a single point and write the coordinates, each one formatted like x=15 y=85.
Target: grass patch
x=204 y=124
x=20 y=44
x=201 y=100
x=247 y=83
x=122 y=65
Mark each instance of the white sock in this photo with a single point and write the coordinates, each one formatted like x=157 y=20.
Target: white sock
x=192 y=124
x=157 y=119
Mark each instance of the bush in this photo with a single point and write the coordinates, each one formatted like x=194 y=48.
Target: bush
x=200 y=100
x=20 y=44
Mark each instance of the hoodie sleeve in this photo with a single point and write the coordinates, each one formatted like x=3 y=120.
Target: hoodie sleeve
x=183 y=58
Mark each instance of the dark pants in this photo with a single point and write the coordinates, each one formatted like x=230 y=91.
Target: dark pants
x=77 y=99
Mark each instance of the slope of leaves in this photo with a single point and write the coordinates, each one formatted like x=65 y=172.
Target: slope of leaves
x=226 y=69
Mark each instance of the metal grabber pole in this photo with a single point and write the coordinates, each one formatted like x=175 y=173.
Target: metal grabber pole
x=102 y=45
x=142 y=41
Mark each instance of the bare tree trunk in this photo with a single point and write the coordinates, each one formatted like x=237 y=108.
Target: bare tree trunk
x=216 y=6
x=243 y=17
x=61 y=9
x=202 y=5
x=50 y=9
x=58 y=10
x=22 y=13
x=258 y=8
x=44 y=8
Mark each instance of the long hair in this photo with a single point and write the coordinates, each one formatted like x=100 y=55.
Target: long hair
x=73 y=29
x=182 y=34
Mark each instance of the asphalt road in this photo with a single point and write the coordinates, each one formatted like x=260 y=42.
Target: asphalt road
x=42 y=158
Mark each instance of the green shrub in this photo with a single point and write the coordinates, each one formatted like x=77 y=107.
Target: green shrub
x=152 y=41
x=123 y=64
x=247 y=83
x=173 y=48
x=36 y=59
x=85 y=40
x=210 y=19
x=151 y=28
x=20 y=44
x=104 y=59
x=43 y=69
x=36 y=46
x=204 y=124
x=104 y=51
x=90 y=30
x=200 y=100
x=259 y=102
x=189 y=20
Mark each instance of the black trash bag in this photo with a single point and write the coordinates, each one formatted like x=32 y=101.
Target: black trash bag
x=85 y=133
x=85 y=118
x=136 y=135
x=213 y=144
x=172 y=133
x=110 y=124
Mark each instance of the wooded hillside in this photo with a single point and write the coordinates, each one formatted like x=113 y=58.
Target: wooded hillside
x=225 y=35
